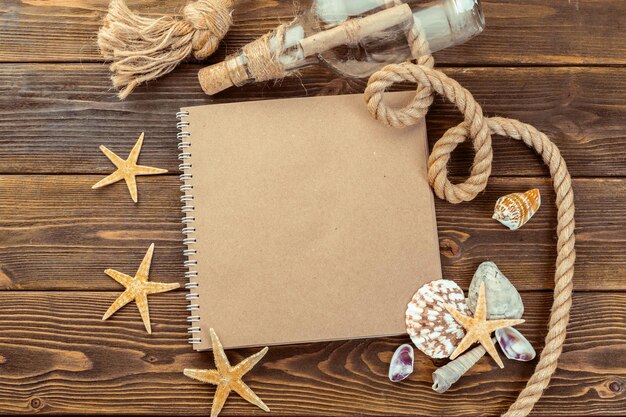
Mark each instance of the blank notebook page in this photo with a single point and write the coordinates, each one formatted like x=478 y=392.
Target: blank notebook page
x=313 y=221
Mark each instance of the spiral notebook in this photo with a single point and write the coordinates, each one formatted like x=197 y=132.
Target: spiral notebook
x=304 y=219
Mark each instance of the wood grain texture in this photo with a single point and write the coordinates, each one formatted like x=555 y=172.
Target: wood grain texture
x=59 y=357
x=536 y=32
x=58 y=234
x=54 y=117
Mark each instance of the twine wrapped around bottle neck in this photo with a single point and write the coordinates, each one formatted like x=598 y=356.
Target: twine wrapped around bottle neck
x=143 y=49
x=264 y=59
x=480 y=128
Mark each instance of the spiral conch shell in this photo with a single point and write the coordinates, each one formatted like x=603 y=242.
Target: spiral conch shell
x=432 y=329
x=447 y=375
x=514 y=210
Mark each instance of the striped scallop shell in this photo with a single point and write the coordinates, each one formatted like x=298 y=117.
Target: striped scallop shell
x=514 y=210
x=432 y=329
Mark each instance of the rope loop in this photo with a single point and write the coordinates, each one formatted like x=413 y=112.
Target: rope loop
x=438 y=162
x=381 y=81
x=474 y=125
x=479 y=129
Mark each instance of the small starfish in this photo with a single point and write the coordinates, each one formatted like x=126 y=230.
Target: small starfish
x=228 y=378
x=127 y=169
x=478 y=328
x=138 y=288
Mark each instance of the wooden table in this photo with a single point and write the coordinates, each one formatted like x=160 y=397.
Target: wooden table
x=556 y=64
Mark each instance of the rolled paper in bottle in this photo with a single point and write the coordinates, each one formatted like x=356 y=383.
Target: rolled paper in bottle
x=354 y=30
x=447 y=375
x=239 y=69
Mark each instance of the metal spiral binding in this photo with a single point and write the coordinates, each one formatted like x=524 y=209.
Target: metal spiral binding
x=187 y=210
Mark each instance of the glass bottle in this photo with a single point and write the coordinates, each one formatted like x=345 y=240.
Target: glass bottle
x=322 y=35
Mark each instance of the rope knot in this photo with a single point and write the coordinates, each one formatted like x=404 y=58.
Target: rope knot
x=142 y=49
x=210 y=20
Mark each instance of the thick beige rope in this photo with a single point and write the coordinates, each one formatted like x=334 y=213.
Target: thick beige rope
x=143 y=49
x=480 y=128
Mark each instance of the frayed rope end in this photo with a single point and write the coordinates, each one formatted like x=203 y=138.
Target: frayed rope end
x=142 y=49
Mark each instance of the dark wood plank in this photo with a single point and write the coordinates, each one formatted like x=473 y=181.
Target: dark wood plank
x=533 y=32
x=58 y=234
x=68 y=234
x=57 y=356
x=54 y=117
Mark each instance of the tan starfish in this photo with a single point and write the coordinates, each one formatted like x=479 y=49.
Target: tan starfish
x=127 y=169
x=478 y=328
x=228 y=378
x=138 y=288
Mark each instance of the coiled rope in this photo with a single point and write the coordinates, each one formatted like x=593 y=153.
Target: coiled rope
x=479 y=129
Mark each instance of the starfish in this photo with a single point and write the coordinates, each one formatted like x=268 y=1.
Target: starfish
x=138 y=288
x=228 y=378
x=478 y=328
x=127 y=169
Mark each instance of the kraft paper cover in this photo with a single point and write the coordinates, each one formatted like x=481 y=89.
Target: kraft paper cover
x=313 y=221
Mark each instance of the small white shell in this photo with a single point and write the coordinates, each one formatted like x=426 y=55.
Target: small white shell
x=514 y=345
x=432 y=329
x=401 y=365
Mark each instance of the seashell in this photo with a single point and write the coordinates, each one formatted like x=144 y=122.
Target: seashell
x=503 y=300
x=401 y=365
x=447 y=375
x=514 y=345
x=432 y=329
x=514 y=210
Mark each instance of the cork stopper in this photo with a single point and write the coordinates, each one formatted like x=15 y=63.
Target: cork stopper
x=223 y=75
